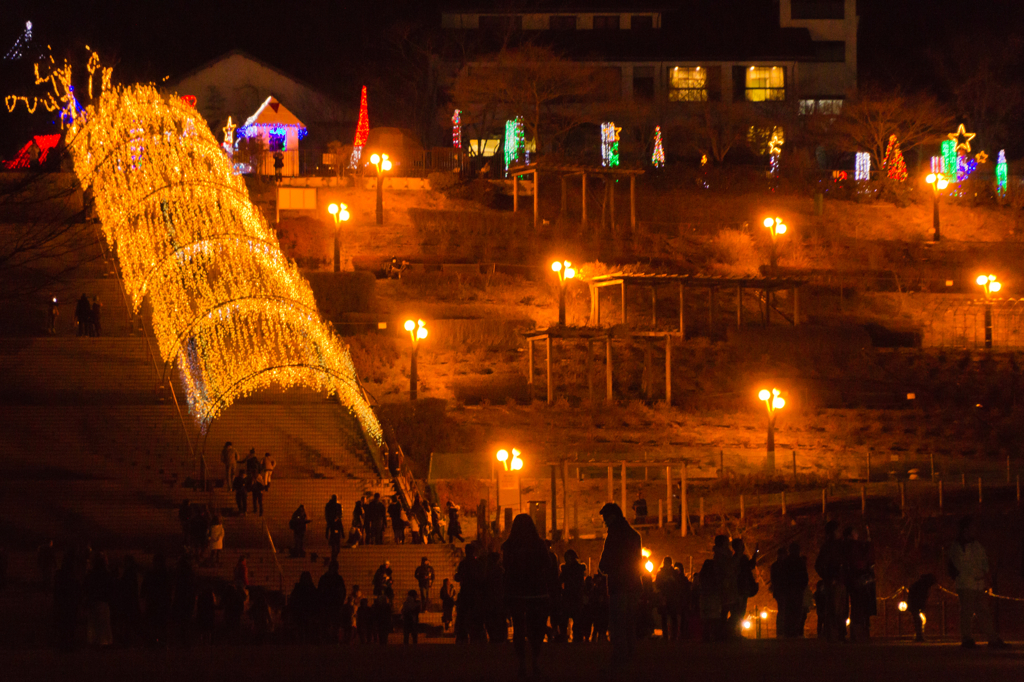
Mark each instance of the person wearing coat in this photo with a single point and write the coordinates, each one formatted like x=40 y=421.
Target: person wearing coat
x=531 y=576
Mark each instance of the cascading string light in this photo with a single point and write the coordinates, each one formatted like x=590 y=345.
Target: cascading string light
x=229 y=308
x=862 y=169
x=610 y=144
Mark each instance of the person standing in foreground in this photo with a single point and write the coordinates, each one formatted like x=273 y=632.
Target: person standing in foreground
x=531 y=574
x=968 y=566
x=621 y=561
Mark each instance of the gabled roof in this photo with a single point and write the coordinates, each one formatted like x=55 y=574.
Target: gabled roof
x=272 y=112
x=245 y=55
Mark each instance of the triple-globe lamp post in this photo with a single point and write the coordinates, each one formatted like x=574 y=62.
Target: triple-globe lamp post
x=340 y=214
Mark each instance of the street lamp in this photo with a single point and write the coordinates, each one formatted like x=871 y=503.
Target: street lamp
x=383 y=164
x=513 y=462
x=776 y=227
x=417 y=332
x=991 y=286
x=773 y=401
x=565 y=272
x=938 y=183
x=340 y=214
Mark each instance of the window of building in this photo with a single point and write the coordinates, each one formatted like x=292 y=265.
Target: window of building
x=641 y=22
x=826 y=107
x=643 y=88
x=818 y=9
x=687 y=84
x=829 y=51
x=500 y=22
x=277 y=141
x=766 y=84
x=606 y=22
x=563 y=23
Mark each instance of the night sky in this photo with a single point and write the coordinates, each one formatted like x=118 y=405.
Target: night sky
x=334 y=44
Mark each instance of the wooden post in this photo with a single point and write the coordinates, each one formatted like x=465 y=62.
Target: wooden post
x=794 y=466
x=623 y=303
x=611 y=486
x=711 y=310
x=668 y=493
x=963 y=480
x=701 y=512
x=648 y=383
x=1007 y=468
x=867 y=467
x=632 y=202
x=824 y=501
x=515 y=193
x=590 y=369
x=739 y=306
x=536 y=196
x=796 y=306
x=608 y=368
x=979 y=489
x=583 y=202
x=903 y=498
x=885 y=619
x=595 y=305
x=654 y=306
x=1018 y=489
x=660 y=512
x=863 y=500
x=529 y=356
x=623 y=487
x=931 y=456
x=554 y=500
x=682 y=316
x=551 y=387
x=742 y=509
x=565 y=198
x=783 y=502
x=565 y=498
x=940 y=495
x=684 y=508
x=668 y=369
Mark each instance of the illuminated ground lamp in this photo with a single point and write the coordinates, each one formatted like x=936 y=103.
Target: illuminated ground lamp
x=938 y=183
x=565 y=272
x=417 y=332
x=991 y=286
x=340 y=214
x=383 y=164
x=776 y=227
x=773 y=401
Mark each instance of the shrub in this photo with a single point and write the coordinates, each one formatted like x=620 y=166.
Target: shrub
x=734 y=252
x=442 y=181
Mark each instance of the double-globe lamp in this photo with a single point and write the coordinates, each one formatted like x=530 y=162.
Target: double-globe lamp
x=417 y=332
x=938 y=183
x=565 y=272
x=991 y=286
x=341 y=215
x=773 y=401
x=776 y=227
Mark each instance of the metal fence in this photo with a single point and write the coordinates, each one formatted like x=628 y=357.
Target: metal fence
x=961 y=324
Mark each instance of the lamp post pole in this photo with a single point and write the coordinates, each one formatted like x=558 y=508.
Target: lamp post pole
x=340 y=214
x=773 y=401
x=565 y=272
x=383 y=164
x=417 y=332
x=991 y=285
x=775 y=227
x=938 y=183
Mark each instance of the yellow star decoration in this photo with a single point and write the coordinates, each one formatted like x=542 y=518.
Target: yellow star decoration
x=229 y=133
x=228 y=307
x=961 y=132
x=981 y=157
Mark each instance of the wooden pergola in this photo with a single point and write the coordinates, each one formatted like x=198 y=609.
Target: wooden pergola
x=565 y=171
x=682 y=282
x=597 y=337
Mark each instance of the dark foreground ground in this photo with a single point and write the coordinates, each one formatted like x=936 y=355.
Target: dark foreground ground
x=804 y=661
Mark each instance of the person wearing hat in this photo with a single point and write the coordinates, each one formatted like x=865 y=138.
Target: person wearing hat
x=621 y=561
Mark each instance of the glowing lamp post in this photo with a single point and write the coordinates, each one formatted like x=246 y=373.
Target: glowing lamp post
x=991 y=286
x=565 y=272
x=773 y=401
x=383 y=165
x=938 y=183
x=648 y=564
x=417 y=332
x=340 y=214
x=776 y=227
x=513 y=462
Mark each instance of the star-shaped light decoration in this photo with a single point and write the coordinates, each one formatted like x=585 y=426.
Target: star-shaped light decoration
x=229 y=133
x=961 y=132
x=981 y=157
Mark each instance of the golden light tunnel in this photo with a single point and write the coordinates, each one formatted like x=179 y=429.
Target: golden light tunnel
x=229 y=309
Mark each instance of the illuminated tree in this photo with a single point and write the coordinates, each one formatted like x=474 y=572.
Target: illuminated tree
x=895 y=166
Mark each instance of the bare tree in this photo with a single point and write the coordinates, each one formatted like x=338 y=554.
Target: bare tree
x=867 y=122
x=554 y=95
x=716 y=128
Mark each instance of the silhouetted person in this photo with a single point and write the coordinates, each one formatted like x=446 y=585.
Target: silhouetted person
x=831 y=568
x=383 y=581
x=382 y=613
x=366 y=630
x=469 y=613
x=331 y=595
x=96 y=317
x=348 y=615
x=359 y=519
x=278 y=166
x=127 y=612
x=667 y=585
x=447 y=597
x=860 y=584
x=99 y=594
x=257 y=487
x=51 y=317
x=795 y=579
x=570 y=581
x=709 y=591
x=727 y=575
x=419 y=512
x=621 y=562
x=530 y=576
x=298 y=524
x=424 y=575
x=302 y=607
x=332 y=514
x=411 y=610
x=454 y=525
x=968 y=566
x=746 y=584
x=34 y=152
x=229 y=458
x=397 y=523
x=376 y=517
x=67 y=597
x=83 y=315
x=494 y=608
x=183 y=605
x=156 y=593
x=215 y=540
x=917 y=602
x=240 y=484
x=639 y=507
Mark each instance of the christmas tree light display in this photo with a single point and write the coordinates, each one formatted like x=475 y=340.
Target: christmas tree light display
x=609 y=145
x=17 y=50
x=658 y=156
x=1002 y=177
x=896 y=167
x=515 y=143
x=862 y=166
x=228 y=308
x=778 y=138
x=457 y=129
x=949 y=162
x=362 y=131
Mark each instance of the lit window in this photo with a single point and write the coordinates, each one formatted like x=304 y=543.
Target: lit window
x=277 y=142
x=806 y=107
x=687 y=84
x=766 y=84
x=826 y=107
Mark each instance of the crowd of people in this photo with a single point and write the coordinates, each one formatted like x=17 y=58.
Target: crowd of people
x=88 y=316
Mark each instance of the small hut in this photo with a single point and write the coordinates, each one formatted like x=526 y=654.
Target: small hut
x=281 y=132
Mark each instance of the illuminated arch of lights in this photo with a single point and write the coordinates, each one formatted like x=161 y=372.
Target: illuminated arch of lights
x=229 y=309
